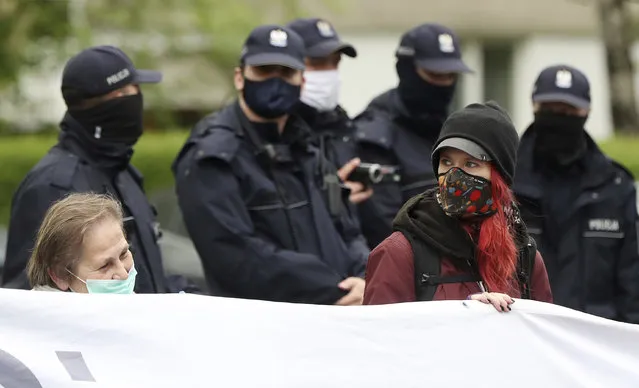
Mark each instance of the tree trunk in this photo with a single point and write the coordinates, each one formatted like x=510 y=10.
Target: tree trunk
x=616 y=24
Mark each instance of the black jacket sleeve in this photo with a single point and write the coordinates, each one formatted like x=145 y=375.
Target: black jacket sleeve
x=29 y=205
x=627 y=295
x=246 y=265
x=350 y=230
x=378 y=212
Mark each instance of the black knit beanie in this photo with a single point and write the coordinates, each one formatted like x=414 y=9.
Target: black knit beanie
x=489 y=126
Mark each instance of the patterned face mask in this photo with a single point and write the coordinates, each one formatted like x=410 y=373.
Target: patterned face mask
x=463 y=194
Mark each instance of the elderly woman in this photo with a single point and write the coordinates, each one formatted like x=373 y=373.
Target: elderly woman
x=81 y=248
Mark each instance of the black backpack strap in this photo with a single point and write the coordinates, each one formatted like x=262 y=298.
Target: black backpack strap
x=427 y=264
x=427 y=268
x=525 y=267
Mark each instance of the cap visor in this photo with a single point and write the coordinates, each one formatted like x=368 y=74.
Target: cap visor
x=147 y=77
x=447 y=65
x=329 y=47
x=274 y=59
x=471 y=148
x=563 y=97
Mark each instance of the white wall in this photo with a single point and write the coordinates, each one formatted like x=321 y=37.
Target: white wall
x=472 y=88
x=372 y=72
x=586 y=54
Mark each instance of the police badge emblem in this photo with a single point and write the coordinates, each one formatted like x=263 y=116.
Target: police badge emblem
x=325 y=29
x=278 y=38
x=446 y=44
x=563 y=79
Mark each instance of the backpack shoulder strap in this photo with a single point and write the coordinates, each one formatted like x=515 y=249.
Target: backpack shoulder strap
x=427 y=264
x=525 y=267
x=427 y=268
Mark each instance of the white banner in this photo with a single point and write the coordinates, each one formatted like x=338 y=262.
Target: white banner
x=64 y=340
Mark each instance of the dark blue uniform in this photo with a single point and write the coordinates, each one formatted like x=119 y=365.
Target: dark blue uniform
x=333 y=132
x=388 y=134
x=68 y=168
x=584 y=222
x=253 y=205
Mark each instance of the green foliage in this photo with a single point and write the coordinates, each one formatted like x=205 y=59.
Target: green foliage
x=198 y=41
x=623 y=149
x=154 y=155
x=214 y=29
x=24 y=22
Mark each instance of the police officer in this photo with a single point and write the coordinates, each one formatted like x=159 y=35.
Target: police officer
x=578 y=204
x=100 y=87
x=400 y=126
x=249 y=184
x=333 y=130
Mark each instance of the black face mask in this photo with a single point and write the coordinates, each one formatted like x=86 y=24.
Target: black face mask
x=419 y=96
x=560 y=139
x=114 y=122
x=271 y=98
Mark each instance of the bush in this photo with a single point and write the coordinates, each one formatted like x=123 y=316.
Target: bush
x=624 y=150
x=157 y=150
x=18 y=154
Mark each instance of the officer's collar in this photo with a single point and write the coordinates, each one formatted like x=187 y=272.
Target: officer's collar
x=269 y=132
x=295 y=130
x=425 y=125
x=594 y=165
x=401 y=110
x=111 y=158
x=325 y=120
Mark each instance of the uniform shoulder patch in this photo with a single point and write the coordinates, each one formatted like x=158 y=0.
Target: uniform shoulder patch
x=218 y=143
x=376 y=128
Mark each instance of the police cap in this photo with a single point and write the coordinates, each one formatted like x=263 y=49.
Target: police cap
x=320 y=38
x=273 y=45
x=434 y=48
x=562 y=83
x=99 y=70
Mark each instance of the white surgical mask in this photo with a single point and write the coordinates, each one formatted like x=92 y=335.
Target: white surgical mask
x=321 y=89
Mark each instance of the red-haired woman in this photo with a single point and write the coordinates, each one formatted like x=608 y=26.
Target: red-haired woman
x=463 y=239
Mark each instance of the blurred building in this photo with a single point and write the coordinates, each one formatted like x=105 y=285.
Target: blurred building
x=506 y=42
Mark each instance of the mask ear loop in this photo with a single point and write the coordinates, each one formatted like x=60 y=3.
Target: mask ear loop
x=75 y=276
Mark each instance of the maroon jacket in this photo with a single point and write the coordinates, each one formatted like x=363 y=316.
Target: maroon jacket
x=390 y=276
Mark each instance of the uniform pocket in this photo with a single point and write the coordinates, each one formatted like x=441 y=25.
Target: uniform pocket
x=601 y=250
